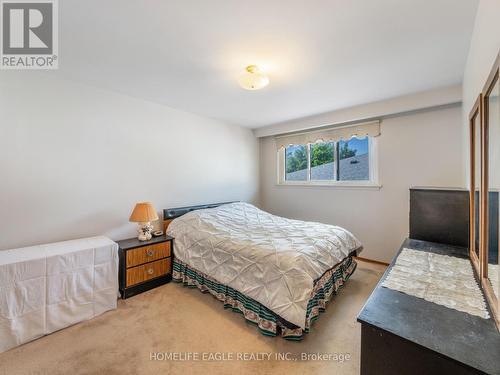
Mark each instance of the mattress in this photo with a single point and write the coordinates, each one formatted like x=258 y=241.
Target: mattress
x=270 y=259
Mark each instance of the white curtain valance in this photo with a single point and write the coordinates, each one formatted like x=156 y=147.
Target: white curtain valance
x=371 y=129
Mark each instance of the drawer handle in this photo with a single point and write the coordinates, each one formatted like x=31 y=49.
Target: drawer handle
x=150 y=253
x=151 y=271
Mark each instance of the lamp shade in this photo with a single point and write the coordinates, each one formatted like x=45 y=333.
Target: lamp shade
x=143 y=212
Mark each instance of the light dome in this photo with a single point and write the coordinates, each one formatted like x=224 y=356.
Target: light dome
x=252 y=79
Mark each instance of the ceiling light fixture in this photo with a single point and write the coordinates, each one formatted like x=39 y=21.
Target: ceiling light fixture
x=252 y=79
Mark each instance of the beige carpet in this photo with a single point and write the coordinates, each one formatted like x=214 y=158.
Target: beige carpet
x=176 y=319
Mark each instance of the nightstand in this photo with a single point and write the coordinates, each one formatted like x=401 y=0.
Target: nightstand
x=144 y=265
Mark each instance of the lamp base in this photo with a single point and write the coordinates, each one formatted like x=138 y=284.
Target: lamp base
x=144 y=231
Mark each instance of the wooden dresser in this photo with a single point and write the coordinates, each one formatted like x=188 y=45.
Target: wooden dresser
x=144 y=264
x=403 y=334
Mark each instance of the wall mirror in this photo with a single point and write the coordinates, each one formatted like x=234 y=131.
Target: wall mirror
x=475 y=136
x=490 y=188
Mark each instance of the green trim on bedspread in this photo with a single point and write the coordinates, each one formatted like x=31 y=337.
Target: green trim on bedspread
x=269 y=323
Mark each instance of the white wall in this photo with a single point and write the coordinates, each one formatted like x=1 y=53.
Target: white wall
x=484 y=47
x=422 y=149
x=389 y=107
x=75 y=159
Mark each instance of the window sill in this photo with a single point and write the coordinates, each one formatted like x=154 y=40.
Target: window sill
x=337 y=185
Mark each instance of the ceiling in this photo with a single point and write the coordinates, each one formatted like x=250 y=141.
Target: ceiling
x=320 y=55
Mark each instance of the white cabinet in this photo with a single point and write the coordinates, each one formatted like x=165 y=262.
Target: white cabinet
x=49 y=287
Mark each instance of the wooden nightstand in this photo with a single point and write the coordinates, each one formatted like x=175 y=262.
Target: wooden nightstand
x=144 y=265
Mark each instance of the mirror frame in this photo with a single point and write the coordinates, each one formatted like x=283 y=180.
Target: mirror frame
x=492 y=299
x=475 y=113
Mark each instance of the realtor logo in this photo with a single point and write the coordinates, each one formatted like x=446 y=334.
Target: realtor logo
x=29 y=34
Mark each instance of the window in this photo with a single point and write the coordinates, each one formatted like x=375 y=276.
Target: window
x=296 y=163
x=354 y=160
x=323 y=161
x=344 y=163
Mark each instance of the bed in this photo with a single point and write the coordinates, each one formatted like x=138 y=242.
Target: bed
x=279 y=273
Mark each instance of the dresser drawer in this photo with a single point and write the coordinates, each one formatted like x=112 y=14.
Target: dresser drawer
x=147 y=254
x=148 y=271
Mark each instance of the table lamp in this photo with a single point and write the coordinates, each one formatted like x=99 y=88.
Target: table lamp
x=143 y=214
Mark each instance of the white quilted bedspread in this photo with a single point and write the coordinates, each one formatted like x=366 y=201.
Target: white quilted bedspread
x=268 y=258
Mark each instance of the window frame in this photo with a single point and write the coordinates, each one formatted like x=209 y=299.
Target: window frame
x=372 y=183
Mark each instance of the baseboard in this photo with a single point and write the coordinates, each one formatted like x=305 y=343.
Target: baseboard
x=371 y=261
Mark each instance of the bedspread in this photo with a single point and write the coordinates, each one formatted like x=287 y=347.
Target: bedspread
x=271 y=259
